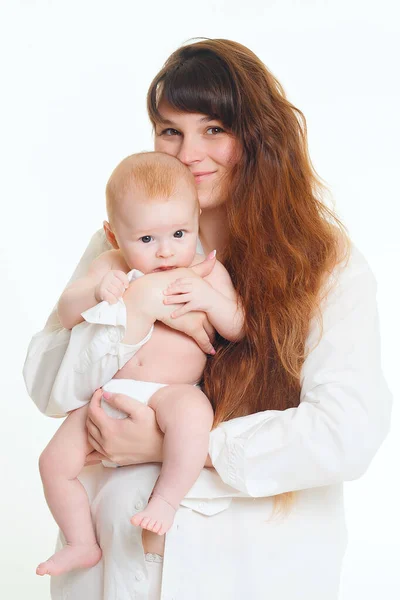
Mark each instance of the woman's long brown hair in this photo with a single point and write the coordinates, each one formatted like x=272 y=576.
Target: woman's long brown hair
x=283 y=240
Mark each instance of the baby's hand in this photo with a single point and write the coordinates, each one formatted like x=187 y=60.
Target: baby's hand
x=111 y=287
x=194 y=292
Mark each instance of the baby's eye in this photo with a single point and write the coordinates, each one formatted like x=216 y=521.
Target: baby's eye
x=146 y=239
x=179 y=234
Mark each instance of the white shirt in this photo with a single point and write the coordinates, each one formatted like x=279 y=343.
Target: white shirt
x=221 y=545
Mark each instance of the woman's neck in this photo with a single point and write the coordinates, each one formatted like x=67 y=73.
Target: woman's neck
x=213 y=231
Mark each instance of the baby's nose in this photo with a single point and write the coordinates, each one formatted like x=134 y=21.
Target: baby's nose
x=165 y=251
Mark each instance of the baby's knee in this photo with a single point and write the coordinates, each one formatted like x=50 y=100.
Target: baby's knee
x=183 y=400
x=47 y=464
x=179 y=394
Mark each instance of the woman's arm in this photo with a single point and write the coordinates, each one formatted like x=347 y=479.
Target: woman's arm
x=333 y=434
x=344 y=411
x=148 y=295
x=47 y=348
x=104 y=280
x=63 y=367
x=134 y=440
x=215 y=295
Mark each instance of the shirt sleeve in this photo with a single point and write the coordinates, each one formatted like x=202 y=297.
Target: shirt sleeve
x=95 y=353
x=47 y=348
x=344 y=410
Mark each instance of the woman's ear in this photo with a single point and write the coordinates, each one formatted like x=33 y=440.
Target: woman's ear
x=110 y=235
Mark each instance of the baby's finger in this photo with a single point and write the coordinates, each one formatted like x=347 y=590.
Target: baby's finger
x=123 y=278
x=113 y=293
x=116 y=288
x=178 y=288
x=182 y=311
x=179 y=299
x=110 y=298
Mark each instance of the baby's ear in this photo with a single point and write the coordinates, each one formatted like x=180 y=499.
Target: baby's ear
x=110 y=235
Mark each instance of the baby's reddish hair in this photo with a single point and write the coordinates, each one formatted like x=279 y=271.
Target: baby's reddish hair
x=154 y=173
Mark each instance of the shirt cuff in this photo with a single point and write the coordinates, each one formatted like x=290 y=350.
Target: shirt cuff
x=227 y=457
x=110 y=321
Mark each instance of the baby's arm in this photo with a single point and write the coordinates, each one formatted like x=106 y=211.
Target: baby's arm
x=214 y=295
x=105 y=279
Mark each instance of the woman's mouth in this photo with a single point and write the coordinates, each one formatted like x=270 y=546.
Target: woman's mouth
x=202 y=175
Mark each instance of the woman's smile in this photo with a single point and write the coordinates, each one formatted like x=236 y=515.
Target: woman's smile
x=202 y=175
x=202 y=144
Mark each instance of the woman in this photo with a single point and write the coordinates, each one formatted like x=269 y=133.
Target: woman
x=300 y=404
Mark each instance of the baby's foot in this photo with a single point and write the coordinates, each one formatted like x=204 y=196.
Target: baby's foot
x=158 y=515
x=70 y=557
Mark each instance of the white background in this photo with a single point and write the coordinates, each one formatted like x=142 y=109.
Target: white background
x=74 y=76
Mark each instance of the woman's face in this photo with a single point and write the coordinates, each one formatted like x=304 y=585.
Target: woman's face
x=203 y=146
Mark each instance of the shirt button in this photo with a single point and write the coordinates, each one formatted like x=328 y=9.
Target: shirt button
x=202 y=504
x=139 y=576
x=139 y=505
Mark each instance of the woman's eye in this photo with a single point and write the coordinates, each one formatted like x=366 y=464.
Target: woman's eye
x=169 y=131
x=179 y=234
x=214 y=130
x=146 y=239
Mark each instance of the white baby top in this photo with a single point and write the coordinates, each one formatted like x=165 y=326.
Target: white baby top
x=222 y=545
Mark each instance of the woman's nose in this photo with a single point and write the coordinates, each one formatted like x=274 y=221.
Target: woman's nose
x=190 y=151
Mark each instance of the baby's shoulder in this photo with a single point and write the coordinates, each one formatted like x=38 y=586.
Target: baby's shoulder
x=111 y=260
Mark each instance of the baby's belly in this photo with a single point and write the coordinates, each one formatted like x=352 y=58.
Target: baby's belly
x=169 y=357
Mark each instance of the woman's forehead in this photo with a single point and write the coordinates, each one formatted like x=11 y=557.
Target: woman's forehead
x=170 y=115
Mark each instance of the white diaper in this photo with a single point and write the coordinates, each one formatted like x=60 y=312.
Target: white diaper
x=139 y=390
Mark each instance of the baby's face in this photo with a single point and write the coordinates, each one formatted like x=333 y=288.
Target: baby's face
x=158 y=235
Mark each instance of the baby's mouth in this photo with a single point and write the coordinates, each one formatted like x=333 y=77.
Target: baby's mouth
x=163 y=269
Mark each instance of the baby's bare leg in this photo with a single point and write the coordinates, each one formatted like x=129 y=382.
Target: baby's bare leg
x=59 y=464
x=185 y=416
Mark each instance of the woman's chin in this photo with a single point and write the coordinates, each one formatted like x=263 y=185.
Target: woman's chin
x=208 y=200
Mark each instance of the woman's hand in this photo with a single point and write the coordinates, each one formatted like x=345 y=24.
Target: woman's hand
x=146 y=294
x=194 y=292
x=131 y=441
x=134 y=440
x=196 y=325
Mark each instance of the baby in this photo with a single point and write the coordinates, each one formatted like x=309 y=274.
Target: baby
x=153 y=223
